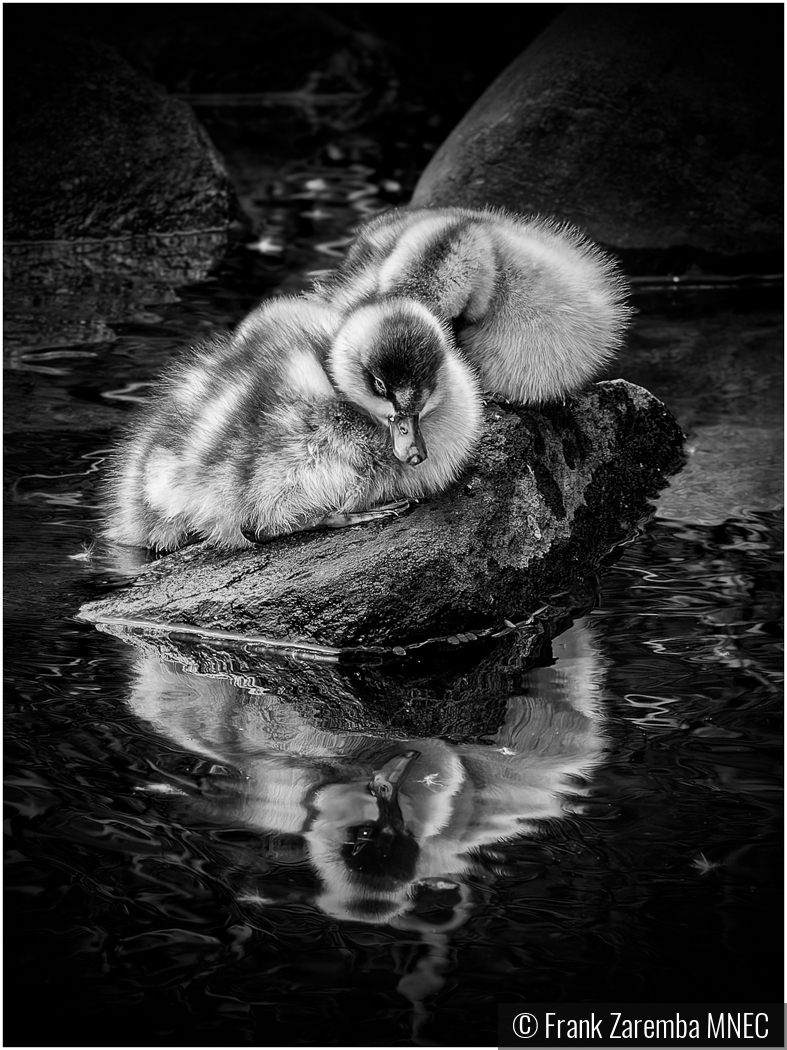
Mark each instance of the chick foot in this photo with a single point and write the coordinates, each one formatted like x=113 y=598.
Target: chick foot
x=340 y=519
x=337 y=519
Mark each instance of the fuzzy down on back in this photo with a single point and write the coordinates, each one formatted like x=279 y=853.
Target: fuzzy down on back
x=248 y=432
x=537 y=308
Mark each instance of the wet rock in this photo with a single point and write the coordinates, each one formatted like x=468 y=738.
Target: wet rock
x=656 y=128
x=732 y=471
x=114 y=195
x=721 y=371
x=97 y=151
x=553 y=490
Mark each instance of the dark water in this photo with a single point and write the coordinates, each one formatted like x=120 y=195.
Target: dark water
x=605 y=827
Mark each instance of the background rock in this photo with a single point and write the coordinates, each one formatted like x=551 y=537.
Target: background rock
x=721 y=372
x=113 y=192
x=273 y=83
x=553 y=490
x=100 y=152
x=657 y=128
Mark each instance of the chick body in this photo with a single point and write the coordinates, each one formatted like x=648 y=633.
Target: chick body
x=251 y=435
x=536 y=308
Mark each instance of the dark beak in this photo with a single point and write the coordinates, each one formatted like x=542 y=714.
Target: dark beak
x=408 y=444
x=385 y=781
x=384 y=847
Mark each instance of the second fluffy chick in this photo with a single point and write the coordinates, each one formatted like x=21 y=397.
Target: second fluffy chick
x=537 y=309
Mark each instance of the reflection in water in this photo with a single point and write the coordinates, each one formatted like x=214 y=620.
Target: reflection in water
x=380 y=818
x=75 y=291
x=390 y=825
x=179 y=913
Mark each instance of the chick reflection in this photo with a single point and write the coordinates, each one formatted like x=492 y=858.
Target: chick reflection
x=391 y=826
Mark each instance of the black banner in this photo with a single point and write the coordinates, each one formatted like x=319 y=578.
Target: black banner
x=657 y=1025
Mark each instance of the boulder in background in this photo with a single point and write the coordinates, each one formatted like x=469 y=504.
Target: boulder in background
x=656 y=128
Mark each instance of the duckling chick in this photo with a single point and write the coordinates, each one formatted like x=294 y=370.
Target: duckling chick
x=536 y=308
x=286 y=425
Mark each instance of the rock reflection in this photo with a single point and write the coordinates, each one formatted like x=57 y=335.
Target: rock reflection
x=391 y=823
x=68 y=292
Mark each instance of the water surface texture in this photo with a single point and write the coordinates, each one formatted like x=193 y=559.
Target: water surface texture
x=197 y=859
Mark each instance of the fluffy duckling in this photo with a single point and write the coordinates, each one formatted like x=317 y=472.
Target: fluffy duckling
x=293 y=422
x=536 y=308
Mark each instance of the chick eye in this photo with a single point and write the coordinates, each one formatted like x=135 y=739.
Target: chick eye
x=379 y=386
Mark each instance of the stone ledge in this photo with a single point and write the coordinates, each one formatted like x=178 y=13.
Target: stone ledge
x=552 y=492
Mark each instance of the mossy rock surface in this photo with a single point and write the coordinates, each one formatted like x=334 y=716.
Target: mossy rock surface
x=551 y=493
